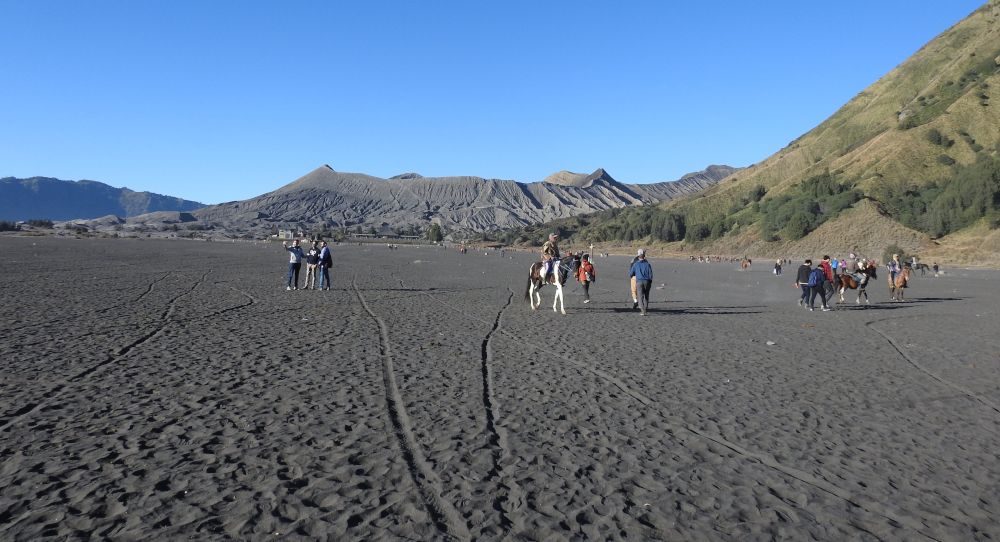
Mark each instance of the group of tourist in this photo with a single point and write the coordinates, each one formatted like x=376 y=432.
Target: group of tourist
x=318 y=264
x=640 y=272
x=820 y=281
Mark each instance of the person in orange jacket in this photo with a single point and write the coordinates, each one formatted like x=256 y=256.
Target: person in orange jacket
x=586 y=275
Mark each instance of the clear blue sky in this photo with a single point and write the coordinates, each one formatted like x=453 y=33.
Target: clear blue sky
x=217 y=101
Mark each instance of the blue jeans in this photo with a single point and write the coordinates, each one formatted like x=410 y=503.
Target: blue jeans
x=805 y=293
x=293 y=268
x=324 y=273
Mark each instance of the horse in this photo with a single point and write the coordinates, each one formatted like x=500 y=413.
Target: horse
x=922 y=267
x=848 y=281
x=557 y=278
x=896 y=287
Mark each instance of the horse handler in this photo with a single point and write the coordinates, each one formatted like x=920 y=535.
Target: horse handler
x=586 y=275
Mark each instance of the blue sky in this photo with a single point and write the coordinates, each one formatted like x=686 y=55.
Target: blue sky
x=218 y=101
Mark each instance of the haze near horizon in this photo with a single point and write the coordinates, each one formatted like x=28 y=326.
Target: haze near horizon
x=229 y=100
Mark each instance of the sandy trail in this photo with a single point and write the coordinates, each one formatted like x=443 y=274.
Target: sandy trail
x=169 y=389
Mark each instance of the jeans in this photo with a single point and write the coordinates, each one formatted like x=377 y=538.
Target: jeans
x=324 y=273
x=293 y=268
x=821 y=290
x=804 y=298
x=642 y=288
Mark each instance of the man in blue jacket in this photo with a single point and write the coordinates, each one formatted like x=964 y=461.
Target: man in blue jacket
x=643 y=274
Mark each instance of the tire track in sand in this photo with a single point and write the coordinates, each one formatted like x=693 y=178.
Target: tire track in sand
x=871 y=506
x=510 y=499
x=928 y=372
x=56 y=391
x=445 y=516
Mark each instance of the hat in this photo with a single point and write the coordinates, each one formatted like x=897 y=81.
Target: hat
x=585 y=257
x=853 y=255
x=553 y=234
x=642 y=252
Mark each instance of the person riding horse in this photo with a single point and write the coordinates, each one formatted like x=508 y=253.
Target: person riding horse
x=550 y=255
x=895 y=267
x=851 y=267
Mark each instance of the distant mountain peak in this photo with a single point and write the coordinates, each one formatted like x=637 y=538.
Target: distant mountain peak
x=578 y=180
x=406 y=176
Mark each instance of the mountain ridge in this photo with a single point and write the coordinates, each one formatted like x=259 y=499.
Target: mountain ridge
x=56 y=199
x=326 y=198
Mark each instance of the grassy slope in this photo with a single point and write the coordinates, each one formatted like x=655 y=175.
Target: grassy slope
x=862 y=142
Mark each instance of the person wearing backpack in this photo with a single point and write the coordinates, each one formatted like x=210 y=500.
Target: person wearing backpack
x=325 y=263
x=586 y=275
x=817 y=281
x=802 y=282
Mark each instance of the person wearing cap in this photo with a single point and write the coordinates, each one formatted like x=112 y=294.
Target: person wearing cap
x=586 y=275
x=635 y=296
x=850 y=266
x=550 y=253
x=643 y=274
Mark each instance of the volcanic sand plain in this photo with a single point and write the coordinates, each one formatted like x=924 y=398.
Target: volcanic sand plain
x=165 y=390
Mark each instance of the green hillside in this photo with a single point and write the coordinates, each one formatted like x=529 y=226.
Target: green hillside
x=919 y=147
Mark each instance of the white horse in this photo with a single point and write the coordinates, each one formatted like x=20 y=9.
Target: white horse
x=556 y=278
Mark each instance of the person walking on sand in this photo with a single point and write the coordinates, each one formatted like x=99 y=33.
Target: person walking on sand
x=312 y=265
x=643 y=274
x=294 y=263
x=819 y=279
x=586 y=275
x=802 y=282
x=777 y=268
x=635 y=296
x=325 y=263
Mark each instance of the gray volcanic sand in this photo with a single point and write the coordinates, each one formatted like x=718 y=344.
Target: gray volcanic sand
x=163 y=390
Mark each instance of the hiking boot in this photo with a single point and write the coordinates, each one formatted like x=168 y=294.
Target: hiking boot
x=635 y=305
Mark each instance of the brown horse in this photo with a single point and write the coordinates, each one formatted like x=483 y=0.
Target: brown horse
x=900 y=283
x=556 y=278
x=843 y=282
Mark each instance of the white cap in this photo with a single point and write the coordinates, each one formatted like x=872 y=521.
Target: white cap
x=642 y=252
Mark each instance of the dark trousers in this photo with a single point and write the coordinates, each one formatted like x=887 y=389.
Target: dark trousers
x=586 y=289
x=805 y=293
x=293 y=269
x=821 y=290
x=642 y=288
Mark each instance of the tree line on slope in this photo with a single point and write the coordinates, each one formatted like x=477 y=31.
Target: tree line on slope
x=936 y=208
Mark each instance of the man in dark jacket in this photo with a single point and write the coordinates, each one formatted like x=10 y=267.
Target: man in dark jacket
x=643 y=274
x=325 y=263
x=802 y=282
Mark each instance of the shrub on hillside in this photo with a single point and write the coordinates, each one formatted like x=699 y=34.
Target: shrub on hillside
x=945 y=159
x=894 y=249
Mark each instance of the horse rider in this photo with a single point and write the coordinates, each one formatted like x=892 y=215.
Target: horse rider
x=851 y=267
x=895 y=267
x=550 y=254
